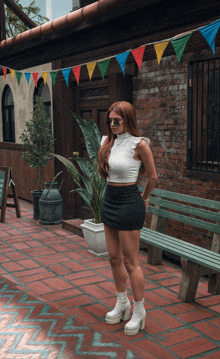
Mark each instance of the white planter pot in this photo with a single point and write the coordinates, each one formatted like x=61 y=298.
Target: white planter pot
x=94 y=236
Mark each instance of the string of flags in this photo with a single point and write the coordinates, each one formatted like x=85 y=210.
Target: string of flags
x=178 y=42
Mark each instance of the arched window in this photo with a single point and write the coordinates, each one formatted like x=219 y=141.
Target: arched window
x=44 y=92
x=8 y=115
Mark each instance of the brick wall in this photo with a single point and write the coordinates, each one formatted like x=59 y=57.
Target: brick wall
x=160 y=98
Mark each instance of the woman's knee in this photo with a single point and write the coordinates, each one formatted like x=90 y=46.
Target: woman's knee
x=115 y=260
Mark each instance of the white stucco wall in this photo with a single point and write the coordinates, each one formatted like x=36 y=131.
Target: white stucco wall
x=23 y=97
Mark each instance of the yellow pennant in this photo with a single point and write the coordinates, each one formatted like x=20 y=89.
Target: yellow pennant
x=12 y=73
x=91 y=67
x=45 y=74
x=160 y=48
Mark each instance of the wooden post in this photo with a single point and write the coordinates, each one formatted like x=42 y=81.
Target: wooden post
x=2 y=21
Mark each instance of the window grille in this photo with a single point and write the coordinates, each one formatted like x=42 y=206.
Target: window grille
x=203 y=137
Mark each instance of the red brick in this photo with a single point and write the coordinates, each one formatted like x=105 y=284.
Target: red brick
x=149 y=347
x=89 y=280
x=194 y=316
x=97 y=309
x=174 y=337
x=165 y=319
x=156 y=299
x=193 y=347
x=57 y=283
x=29 y=263
x=96 y=292
x=208 y=329
x=76 y=267
x=39 y=288
x=12 y=266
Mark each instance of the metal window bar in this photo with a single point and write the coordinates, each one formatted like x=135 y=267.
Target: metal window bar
x=204 y=116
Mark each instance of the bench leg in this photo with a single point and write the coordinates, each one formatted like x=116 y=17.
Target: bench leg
x=190 y=280
x=154 y=255
x=214 y=283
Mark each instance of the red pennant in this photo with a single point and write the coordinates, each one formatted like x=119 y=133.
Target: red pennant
x=76 y=71
x=4 y=70
x=35 y=77
x=138 y=55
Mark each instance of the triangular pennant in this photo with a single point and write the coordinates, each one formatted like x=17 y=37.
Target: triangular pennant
x=122 y=58
x=209 y=32
x=138 y=55
x=12 y=73
x=18 y=76
x=35 y=77
x=159 y=49
x=91 y=67
x=27 y=75
x=4 y=70
x=66 y=73
x=103 y=65
x=179 y=44
x=76 y=71
x=53 y=75
x=45 y=75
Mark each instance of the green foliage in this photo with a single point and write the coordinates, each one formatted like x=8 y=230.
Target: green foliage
x=91 y=186
x=14 y=25
x=38 y=139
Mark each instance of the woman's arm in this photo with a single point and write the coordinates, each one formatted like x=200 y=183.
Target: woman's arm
x=145 y=155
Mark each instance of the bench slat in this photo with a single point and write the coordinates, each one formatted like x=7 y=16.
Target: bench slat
x=213 y=263
x=184 y=219
x=186 y=198
x=214 y=216
x=178 y=245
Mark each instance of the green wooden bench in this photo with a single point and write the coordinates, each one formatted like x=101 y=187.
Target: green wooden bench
x=195 y=260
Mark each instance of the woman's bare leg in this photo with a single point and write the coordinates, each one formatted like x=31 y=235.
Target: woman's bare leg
x=129 y=242
x=116 y=258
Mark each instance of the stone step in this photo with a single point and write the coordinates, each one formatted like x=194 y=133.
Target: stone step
x=73 y=226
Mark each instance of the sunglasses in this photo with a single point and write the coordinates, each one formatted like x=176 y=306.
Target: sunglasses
x=116 y=123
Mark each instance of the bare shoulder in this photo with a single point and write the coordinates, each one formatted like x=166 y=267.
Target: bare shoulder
x=143 y=147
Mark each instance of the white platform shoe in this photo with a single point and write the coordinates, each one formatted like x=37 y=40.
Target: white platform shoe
x=121 y=310
x=138 y=319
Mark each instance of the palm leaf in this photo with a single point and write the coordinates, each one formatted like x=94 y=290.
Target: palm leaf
x=70 y=167
x=85 y=166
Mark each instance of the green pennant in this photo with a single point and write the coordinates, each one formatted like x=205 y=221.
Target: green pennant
x=53 y=75
x=103 y=65
x=18 y=75
x=179 y=45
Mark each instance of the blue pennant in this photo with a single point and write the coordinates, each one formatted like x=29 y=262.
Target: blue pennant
x=209 y=32
x=66 y=73
x=27 y=75
x=122 y=58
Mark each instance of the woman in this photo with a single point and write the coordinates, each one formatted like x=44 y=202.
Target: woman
x=122 y=156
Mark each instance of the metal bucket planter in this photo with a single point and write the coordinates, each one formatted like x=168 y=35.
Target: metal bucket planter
x=95 y=237
x=50 y=205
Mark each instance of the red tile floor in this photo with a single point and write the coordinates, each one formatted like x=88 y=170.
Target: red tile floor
x=54 y=295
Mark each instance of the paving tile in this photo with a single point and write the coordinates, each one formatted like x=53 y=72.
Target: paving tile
x=96 y=292
x=89 y=280
x=57 y=283
x=215 y=321
x=152 y=348
x=28 y=263
x=178 y=336
x=208 y=329
x=15 y=256
x=12 y=266
x=76 y=267
x=216 y=308
x=182 y=308
x=39 y=287
x=64 y=294
x=196 y=315
x=97 y=309
x=156 y=299
x=214 y=355
x=193 y=347
x=167 y=320
x=59 y=269
x=207 y=302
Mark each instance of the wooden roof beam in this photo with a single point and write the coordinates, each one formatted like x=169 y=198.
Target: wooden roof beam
x=17 y=11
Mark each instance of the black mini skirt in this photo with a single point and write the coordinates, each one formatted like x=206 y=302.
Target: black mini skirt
x=123 y=208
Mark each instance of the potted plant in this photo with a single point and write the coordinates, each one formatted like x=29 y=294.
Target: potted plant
x=38 y=141
x=90 y=185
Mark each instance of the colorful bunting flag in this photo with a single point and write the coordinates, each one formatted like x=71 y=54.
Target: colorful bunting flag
x=91 y=67
x=103 y=65
x=53 y=75
x=12 y=73
x=27 y=75
x=179 y=44
x=66 y=73
x=35 y=77
x=209 y=32
x=159 y=49
x=4 y=70
x=138 y=55
x=18 y=76
x=76 y=71
x=45 y=75
x=122 y=58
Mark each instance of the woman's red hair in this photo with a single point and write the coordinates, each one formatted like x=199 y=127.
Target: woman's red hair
x=128 y=113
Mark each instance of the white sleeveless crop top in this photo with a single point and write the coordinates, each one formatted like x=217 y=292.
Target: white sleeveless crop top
x=123 y=168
